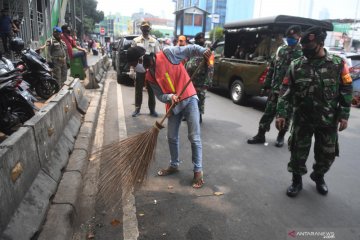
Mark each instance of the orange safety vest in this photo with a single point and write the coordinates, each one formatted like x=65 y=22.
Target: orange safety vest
x=171 y=78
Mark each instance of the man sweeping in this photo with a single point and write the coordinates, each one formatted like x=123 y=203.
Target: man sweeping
x=167 y=77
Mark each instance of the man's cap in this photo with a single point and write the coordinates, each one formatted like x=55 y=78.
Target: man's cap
x=145 y=24
x=182 y=38
x=313 y=34
x=199 y=35
x=134 y=53
x=293 y=29
x=57 y=29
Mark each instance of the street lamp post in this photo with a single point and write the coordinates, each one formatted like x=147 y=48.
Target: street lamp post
x=352 y=35
x=212 y=20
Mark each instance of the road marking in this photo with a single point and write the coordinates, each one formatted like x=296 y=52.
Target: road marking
x=130 y=223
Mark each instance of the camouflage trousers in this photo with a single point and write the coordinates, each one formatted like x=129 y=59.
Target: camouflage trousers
x=326 y=148
x=201 y=93
x=270 y=113
x=60 y=72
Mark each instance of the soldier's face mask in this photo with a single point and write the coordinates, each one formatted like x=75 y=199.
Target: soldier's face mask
x=291 y=41
x=310 y=51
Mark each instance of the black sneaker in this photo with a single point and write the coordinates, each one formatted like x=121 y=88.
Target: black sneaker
x=154 y=114
x=279 y=141
x=136 y=113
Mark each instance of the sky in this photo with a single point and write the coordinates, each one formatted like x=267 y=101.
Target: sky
x=165 y=8
x=160 y=8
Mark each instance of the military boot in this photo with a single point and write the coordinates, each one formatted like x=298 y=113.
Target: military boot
x=320 y=183
x=280 y=138
x=295 y=187
x=258 y=138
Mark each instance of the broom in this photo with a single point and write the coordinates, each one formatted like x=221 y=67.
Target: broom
x=127 y=161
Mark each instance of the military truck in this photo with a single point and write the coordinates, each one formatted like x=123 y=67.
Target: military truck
x=242 y=60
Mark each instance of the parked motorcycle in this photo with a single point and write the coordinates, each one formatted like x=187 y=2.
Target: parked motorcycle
x=35 y=70
x=15 y=109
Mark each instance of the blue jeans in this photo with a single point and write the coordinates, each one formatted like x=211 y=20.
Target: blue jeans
x=82 y=56
x=192 y=115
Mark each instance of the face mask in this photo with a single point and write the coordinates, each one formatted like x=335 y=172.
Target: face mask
x=291 y=41
x=310 y=52
x=145 y=31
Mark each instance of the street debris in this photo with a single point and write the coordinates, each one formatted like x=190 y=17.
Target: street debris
x=115 y=222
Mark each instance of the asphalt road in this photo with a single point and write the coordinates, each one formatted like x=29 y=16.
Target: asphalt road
x=252 y=178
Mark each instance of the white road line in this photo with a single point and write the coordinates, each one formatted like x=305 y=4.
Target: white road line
x=130 y=223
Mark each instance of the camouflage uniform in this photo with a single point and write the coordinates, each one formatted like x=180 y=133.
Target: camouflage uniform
x=320 y=92
x=202 y=80
x=56 y=53
x=285 y=54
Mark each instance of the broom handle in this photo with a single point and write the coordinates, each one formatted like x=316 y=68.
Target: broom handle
x=183 y=90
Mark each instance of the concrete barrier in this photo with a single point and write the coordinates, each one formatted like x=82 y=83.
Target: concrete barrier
x=33 y=161
x=82 y=102
x=19 y=167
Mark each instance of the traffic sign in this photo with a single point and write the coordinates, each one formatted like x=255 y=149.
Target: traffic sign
x=215 y=18
x=102 y=31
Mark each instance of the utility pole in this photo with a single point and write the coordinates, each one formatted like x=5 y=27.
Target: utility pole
x=212 y=20
x=352 y=33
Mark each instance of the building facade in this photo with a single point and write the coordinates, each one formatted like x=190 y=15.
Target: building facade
x=217 y=13
x=38 y=17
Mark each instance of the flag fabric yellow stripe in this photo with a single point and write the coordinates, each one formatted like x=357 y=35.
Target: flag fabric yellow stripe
x=170 y=82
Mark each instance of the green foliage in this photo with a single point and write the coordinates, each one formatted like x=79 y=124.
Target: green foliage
x=91 y=15
x=157 y=33
x=219 y=32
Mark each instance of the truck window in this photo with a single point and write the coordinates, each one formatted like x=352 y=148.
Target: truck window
x=219 y=51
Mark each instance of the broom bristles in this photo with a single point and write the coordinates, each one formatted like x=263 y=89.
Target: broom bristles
x=125 y=164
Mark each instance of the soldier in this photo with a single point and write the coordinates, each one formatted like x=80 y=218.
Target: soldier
x=203 y=79
x=57 y=56
x=319 y=87
x=284 y=55
x=151 y=45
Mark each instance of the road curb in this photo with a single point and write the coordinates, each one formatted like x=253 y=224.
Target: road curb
x=63 y=209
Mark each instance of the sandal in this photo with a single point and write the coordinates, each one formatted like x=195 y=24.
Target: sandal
x=168 y=171
x=198 y=181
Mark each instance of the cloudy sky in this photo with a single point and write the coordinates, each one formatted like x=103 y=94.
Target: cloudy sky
x=165 y=8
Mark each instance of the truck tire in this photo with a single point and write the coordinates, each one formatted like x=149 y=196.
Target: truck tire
x=120 y=77
x=237 y=92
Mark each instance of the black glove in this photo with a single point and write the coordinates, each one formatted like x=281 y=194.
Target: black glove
x=51 y=65
x=68 y=65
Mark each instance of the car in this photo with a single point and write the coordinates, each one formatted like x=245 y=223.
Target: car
x=121 y=64
x=242 y=59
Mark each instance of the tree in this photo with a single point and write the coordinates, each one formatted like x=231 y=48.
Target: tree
x=157 y=33
x=219 y=32
x=91 y=15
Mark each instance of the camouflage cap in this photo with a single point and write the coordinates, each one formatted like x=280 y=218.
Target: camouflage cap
x=293 y=29
x=313 y=34
x=134 y=53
